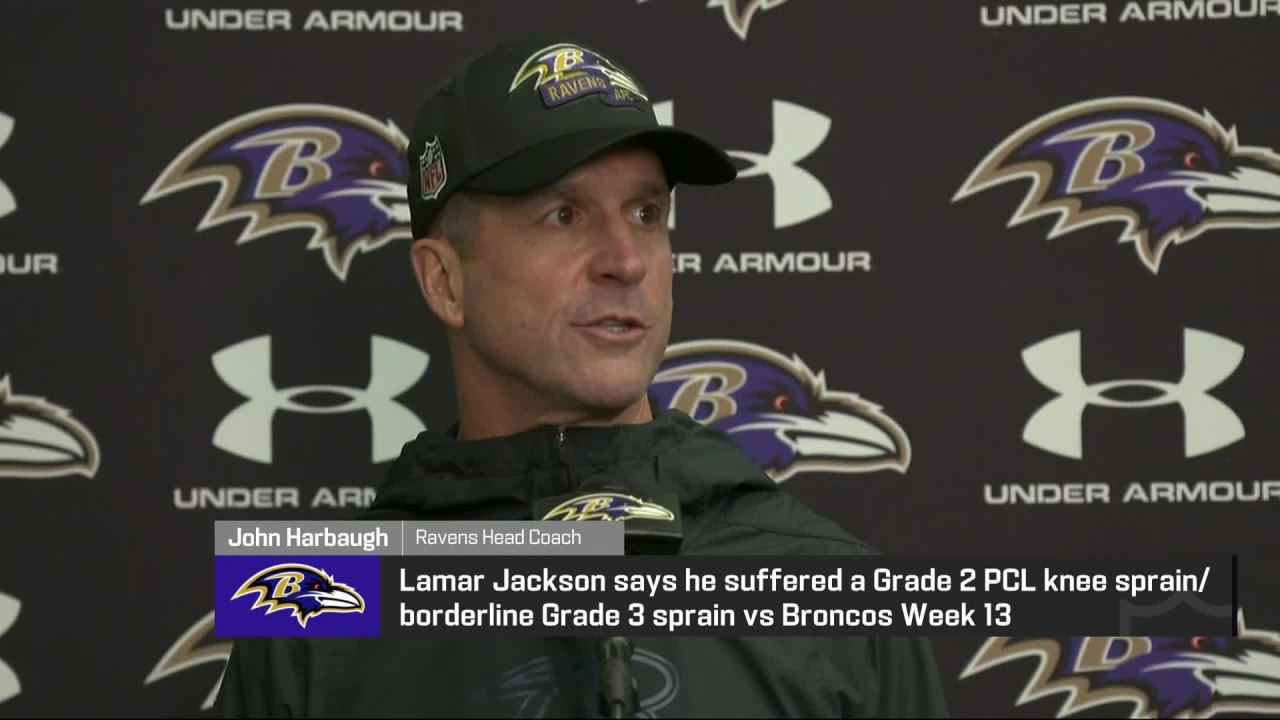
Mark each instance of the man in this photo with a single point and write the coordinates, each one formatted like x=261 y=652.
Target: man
x=540 y=190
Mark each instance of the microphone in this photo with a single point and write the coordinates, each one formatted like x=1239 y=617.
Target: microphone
x=619 y=697
x=652 y=527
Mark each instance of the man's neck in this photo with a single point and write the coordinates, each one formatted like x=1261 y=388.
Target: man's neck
x=479 y=423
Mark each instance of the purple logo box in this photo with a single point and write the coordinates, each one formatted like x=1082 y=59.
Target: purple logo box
x=297 y=596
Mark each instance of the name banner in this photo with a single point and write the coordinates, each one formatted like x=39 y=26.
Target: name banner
x=449 y=537
x=342 y=595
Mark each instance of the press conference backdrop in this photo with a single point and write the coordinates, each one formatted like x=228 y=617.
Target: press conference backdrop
x=1003 y=272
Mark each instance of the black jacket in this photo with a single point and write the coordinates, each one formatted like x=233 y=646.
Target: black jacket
x=729 y=507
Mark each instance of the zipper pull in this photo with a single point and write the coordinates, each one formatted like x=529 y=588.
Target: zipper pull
x=562 y=468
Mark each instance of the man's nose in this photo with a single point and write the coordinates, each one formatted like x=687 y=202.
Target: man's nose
x=618 y=257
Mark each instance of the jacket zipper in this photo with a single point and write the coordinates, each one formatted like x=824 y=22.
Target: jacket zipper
x=562 y=467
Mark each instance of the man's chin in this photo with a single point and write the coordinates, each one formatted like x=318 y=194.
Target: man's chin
x=616 y=394
x=611 y=402
x=605 y=382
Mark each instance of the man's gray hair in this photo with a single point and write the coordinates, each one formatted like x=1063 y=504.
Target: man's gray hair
x=456 y=222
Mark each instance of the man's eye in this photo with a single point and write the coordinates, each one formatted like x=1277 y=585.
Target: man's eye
x=649 y=214
x=562 y=215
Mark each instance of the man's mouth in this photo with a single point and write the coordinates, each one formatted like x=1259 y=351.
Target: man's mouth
x=616 y=324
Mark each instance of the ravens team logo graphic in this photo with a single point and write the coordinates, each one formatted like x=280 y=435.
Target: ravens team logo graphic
x=336 y=175
x=778 y=411
x=197 y=646
x=608 y=506
x=41 y=440
x=1156 y=677
x=301 y=590
x=1164 y=173
x=563 y=72
x=738 y=13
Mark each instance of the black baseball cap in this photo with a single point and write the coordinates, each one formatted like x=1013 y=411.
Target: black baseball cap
x=525 y=114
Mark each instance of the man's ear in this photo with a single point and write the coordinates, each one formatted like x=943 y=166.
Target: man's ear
x=439 y=272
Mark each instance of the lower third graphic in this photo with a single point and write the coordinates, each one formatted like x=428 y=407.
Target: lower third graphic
x=276 y=597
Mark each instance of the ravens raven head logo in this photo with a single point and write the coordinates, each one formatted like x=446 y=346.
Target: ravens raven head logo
x=542 y=687
x=1165 y=172
x=39 y=439
x=608 y=506
x=1165 y=677
x=197 y=646
x=337 y=173
x=738 y=13
x=565 y=72
x=301 y=590
x=779 y=412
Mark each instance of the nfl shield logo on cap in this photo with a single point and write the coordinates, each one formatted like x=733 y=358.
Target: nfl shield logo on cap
x=432 y=169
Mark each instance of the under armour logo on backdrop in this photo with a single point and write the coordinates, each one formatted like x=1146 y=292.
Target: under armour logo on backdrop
x=798 y=195
x=7 y=202
x=10 y=686
x=1209 y=423
x=246 y=367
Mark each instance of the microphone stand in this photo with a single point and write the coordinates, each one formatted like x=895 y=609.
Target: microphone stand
x=618 y=695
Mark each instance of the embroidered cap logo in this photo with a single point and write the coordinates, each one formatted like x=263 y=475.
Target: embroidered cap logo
x=432 y=168
x=562 y=73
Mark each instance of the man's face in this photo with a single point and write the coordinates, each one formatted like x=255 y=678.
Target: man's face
x=567 y=292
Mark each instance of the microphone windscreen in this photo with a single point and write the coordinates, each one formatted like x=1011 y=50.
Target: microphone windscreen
x=653 y=525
